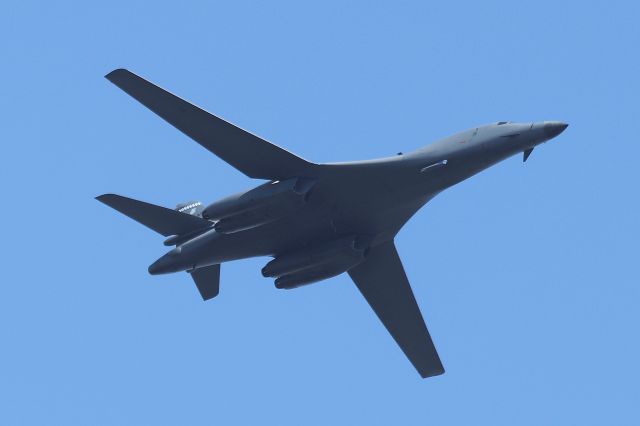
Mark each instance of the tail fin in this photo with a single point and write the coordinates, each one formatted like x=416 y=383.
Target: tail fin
x=160 y=219
x=207 y=280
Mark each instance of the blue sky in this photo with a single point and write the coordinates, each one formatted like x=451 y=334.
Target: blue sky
x=526 y=274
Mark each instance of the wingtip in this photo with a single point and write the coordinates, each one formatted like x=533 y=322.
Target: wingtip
x=115 y=73
x=104 y=197
x=433 y=373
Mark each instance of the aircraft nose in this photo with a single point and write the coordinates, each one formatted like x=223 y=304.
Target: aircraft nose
x=554 y=128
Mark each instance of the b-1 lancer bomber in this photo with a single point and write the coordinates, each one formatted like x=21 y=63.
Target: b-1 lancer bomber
x=316 y=220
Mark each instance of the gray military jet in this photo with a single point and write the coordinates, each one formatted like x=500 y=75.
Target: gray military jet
x=316 y=220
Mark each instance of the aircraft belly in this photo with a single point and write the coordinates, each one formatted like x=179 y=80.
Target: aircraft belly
x=286 y=234
x=381 y=220
x=336 y=207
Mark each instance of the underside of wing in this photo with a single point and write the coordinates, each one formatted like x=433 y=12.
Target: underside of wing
x=382 y=281
x=248 y=153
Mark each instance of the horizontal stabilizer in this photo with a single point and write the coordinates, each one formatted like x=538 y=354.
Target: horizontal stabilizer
x=382 y=281
x=207 y=280
x=248 y=153
x=161 y=219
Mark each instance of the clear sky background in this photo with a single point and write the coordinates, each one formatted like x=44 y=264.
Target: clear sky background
x=527 y=275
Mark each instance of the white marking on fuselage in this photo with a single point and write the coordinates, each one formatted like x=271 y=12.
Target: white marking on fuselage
x=439 y=163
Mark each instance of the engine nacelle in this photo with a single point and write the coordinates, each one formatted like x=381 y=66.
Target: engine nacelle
x=289 y=263
x=317 y=263
x=258 y=206
x=257 y=216
x=320 y=272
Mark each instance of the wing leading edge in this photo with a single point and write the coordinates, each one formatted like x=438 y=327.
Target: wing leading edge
x=248 y=153
x=383 y=283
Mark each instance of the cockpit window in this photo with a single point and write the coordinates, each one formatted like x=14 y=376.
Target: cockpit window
x=500 y=123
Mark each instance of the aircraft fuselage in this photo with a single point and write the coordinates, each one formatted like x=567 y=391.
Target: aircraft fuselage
x=371 y=198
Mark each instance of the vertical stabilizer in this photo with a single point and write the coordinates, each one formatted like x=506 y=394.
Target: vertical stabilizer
x=207 y=280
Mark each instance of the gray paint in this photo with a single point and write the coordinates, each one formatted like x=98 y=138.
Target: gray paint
x=307 y=211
